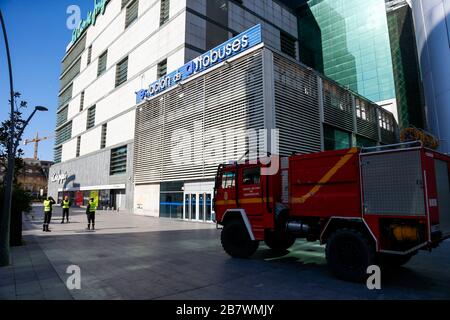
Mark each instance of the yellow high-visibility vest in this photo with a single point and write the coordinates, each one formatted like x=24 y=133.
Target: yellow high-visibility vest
x=92 y=207
x=47 y=206
x=66 y=204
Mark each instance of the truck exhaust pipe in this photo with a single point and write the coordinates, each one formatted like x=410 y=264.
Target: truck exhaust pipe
x=298 y=228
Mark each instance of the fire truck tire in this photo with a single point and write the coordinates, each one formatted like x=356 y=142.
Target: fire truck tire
x=349 y=253
x=236 y=241
x=394 y=261
x=279 y=242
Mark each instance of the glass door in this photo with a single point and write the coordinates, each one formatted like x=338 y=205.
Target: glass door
x=198 y=207
x=193 y=210
x=187 y=206
x=208 y=208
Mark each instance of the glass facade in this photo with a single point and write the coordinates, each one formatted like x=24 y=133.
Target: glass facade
x=335 y=139
x=348 y=41
x=406 y=67
x=171 y=200
x=105 y=199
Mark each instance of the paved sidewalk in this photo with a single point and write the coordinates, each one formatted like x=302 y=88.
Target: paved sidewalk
x=31 y=276
x=133 y=257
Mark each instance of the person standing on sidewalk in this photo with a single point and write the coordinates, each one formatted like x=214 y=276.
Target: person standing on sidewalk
x=90 y=211
x=48 y=208
x=66 y=206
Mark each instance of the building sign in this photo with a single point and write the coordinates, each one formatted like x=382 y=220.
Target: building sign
x=59 y=177
x=99 y=8
x=223 y=52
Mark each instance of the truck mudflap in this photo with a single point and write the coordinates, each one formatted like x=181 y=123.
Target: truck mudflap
x=243 y=215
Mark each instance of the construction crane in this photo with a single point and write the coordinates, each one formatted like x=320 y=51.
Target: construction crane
x=36 y=141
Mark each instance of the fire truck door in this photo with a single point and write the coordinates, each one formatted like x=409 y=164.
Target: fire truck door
x=251 y=191
x=227 y=189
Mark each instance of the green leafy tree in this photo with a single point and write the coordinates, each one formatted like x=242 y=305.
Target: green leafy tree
x=21 y=200
x=5 y=127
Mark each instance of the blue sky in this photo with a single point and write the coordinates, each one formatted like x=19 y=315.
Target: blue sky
x=38 y=36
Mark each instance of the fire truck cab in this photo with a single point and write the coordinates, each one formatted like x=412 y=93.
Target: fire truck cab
x=368 y=206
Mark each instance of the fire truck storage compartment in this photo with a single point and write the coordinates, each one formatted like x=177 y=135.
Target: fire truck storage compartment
x=443 y=191
x=393 y=183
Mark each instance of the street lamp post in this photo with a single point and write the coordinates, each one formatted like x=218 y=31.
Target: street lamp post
x=6 y=214
x=5 y=217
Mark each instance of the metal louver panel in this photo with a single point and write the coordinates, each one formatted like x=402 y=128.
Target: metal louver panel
x=164 y=12
x=230 y=97
x=57 y=154
x=337 y=106
x=65 y=96
x=73 y=54
x=61 y=117
x=366 y=119
x=70 y=74
x=90 y=122
x=393 y=183
x=296 y=107
x=131 y=13
x=102 y=60
x=64 y=134
x=122 y=72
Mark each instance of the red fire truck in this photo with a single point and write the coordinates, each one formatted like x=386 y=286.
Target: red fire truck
x=368 y=206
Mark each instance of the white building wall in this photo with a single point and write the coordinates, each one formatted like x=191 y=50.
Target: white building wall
x=90 y=141
x=69 y=150
x=146 y=200
x=121 y=129
x=145 y=44
x=74 y=107
x=79 y=124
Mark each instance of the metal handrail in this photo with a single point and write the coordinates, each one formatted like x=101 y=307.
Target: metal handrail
x=402 y=145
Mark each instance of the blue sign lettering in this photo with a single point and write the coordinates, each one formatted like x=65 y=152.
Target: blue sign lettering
x=233 y=47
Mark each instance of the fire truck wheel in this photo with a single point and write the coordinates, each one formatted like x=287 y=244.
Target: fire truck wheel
x=279 y=242
x=394 y=261
x=236 y=240
x=349 y=253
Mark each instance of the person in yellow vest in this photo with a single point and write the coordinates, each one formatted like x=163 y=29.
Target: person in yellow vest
x=66 y=204
x=90 y=211
x=48 y=208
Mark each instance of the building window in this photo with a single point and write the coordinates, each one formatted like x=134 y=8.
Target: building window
x=61 y=117
x=124 y=3
x=335 y=139
x=58 y=154
x=165 y=9
x=102 y=63
x=288 y=44
x=118 y=164
x=132 y=13
x=78 y=146
x=89 y=57
x=171 y=200
x=365 y=142
x=82 y=101
x=162 y=69
x=121 y=72
x=386 y=122
x=361 y=109
x=64 y=133
x=103 y=139
x=90 y=118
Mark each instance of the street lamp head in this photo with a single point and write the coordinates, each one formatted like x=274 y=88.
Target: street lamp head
x=40 y=108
